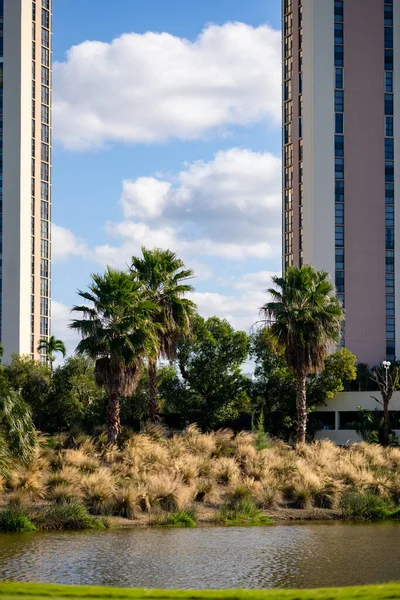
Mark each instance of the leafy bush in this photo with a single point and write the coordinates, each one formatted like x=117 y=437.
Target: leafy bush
x=366 y=506
x=14 y=519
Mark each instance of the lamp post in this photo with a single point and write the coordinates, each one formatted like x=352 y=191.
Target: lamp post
x=386 y=365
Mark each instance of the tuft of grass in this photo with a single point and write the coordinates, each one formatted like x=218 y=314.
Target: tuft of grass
x=243 y=513
x=98 y=490
x=15 y=520
x=126 y=502
x=176 y=519
x=358 y=505
x=64 y=516
x=169 y=494
x=62 y=493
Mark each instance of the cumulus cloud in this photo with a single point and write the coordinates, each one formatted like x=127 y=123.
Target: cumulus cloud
x=65 y=243
x=154 y=86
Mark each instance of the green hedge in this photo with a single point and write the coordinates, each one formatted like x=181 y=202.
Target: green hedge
x=9 y=591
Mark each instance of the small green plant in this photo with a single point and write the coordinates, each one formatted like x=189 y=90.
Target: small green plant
x=262 y=440
x=14 y=519
x=243 y=512
x=176 y=519
x=65 y=516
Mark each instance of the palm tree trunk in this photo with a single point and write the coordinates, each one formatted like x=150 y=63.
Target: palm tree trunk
x=113 y=418
x=301 y=406
x=153 y=401
x=385 y=421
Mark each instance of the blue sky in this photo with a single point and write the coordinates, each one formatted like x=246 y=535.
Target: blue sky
x=167 y=133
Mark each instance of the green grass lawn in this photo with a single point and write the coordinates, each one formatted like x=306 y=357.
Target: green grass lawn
x=9 y=591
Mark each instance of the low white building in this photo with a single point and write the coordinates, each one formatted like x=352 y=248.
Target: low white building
x=342 y=410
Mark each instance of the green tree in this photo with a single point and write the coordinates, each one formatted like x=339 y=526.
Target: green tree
x=117 y=333
x=213 y=389
x=17 y=431
x=387 y=379
x=51 y=346
x=305 y=318
x=163 y=277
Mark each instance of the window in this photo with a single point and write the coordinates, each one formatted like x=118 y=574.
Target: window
x=44 y=286
x=389 y=239
x=389 y=283
x=339 y=191
x=288 y=243
x=32 y=225
x=33 y=167
x=288 y=90
x=390 y=306
x=339 y=281
x=44 y=268
x=339 y=145
x=33 y=69
x=390 y=328
x=33 y=11
x=339 y=168
x=288 y=199
x=44 y=210
x=389 y=193
x=45 y=57
x=45 y=114
x=339 y=236
x=388 y=37
x=44 y=171
x=389 y=261
x=300 y=127
x=44 y=190
x=390 y=355
x=32 y=186
x=44 y=326
x=44 y=229
x=388 y=104
x=339 y=101
x=388 y=59
x=45 y=76
x=44 y=306
x=339 y=259
x=33 y=50
x=45 y=97
x=300 y=83
x=45 y=38
x=339 y=214
x=287 y=134
x=338 y=11
x=45 y=18
x=45 y=134
x=388 y=16
x=45 y=153
x=348 y=418
x=33 y=89
x=389 y=171
x=46 y=4
x=33 y=31
x=339 y=79
x=389 y=130
x=389 y=149
x=389 y=81
x=389 y=216
x=339 y=52
x=339 y=33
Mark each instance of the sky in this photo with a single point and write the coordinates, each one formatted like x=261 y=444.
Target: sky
x=166 y=133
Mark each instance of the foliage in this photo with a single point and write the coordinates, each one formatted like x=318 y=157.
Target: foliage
x=367 y=506
x=212 y=389
x=163 y=278
x=242 y=513
x=15 y=519
x=64 y=516
x=118 y=334
x=368 y=425
x=176 y=519
x=305 y=318
x=51 y=346
x=17 y=432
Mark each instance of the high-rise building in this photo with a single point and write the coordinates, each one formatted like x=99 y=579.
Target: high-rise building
x=25 y=171
x=341 y=159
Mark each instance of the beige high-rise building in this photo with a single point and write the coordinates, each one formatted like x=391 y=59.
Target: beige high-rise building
x=25 y=174
x=341 y=159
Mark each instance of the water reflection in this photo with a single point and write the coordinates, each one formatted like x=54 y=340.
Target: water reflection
x=306 y=555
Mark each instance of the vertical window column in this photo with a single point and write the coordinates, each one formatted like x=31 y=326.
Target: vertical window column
x=389 y=183
x=288 y=132
x=300 y=132
x=339 y=154
x=33 y=183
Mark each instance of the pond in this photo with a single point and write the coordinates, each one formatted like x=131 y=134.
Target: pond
x=288 y=555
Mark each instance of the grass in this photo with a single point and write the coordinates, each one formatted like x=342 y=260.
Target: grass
x=243 y=512
x=176 y=519
x=64 y=517
x=14 y=519
x=155 y=473
x=11 y=591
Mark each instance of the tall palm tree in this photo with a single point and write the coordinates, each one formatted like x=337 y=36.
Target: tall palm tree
x=163 y=277
x=117 y=333
x=51 y=346
x=305 y=317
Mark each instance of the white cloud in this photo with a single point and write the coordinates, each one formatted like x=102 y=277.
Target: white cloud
x=154 y=86
x=65 y=243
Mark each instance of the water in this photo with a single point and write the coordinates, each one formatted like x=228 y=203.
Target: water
x=296 y=555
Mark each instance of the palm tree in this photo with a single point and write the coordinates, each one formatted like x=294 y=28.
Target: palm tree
x=51 y=346
x=117 y=333
x=17 y=431
x=163 y=276
x=305 y=317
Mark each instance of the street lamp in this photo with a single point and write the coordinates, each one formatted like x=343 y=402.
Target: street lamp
x=386 y=365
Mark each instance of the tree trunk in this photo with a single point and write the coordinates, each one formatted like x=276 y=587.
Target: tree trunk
x=113 y=418
x=385 y=421
x=301 y=406
x=153 y=401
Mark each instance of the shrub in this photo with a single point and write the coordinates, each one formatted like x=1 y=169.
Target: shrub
x=63 y=493
x=176 y=519
x=126 y=502
x=243 y=513
x=14 y=519
x=64 y=516
x=366 y=506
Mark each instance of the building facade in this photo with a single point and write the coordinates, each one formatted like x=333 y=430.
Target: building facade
x=26 y=175
x=341 y=159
